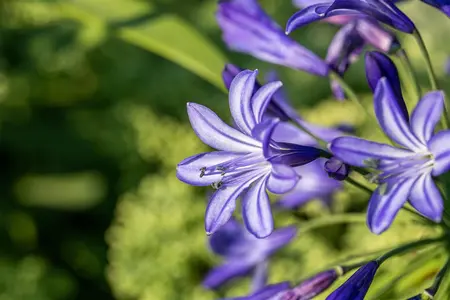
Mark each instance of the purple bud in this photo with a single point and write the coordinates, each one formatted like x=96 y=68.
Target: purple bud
x=443 y=6
x=336 y=169
x=313 y=286
x=379 y=65
x=357 y=285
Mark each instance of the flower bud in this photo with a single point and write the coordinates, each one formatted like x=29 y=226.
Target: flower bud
x=337 y=169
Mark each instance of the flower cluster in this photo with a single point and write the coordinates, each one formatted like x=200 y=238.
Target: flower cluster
x=270 y=148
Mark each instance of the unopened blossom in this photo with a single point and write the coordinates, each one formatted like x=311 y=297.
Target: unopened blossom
x=248 y=160
x=244 y=254
x=356 y=287
x=384 y=11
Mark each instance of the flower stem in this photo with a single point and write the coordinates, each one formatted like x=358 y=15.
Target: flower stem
x=409 y=71
x=431 y=73
x=348 y=91
x=332 y=220
x=407 y=247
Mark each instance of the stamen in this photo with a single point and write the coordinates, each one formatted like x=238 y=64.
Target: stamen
x=217 y=185
x=202 y=172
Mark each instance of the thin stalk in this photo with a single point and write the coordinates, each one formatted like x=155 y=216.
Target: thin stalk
x=332 y=220
x=408 y=247
x=359 y=185
x=409 y=71
x=431 y=74
x=348 y=91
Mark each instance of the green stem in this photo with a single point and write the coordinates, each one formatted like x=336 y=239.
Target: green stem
x=409 y=71
x=432 y=76
x=348 y=91
x=332 y=220
x=426 y=56
x=407 y=247
x=359 y=185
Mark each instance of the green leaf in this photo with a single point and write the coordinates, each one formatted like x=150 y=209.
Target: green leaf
x=166 y=35
x=444 y=289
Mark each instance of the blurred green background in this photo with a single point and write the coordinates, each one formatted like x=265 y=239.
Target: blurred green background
x=93 y=123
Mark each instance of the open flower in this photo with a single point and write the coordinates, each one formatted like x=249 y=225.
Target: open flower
x=247 y=28
x=244 y=254
x=405 y=171
x=248 y=160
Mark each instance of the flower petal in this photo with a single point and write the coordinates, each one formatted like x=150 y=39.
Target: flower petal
x=280 y=238
x=307 y=15
x=426 y=198
x=215 y=133
x=355 y=151
x=439 y=145
x=391 y=116
x=282 y=179
x=384 y=11
x=262 y=98
x=263 y=132
x=250 y=30
x=241 y=91
x=229 y=240
x=259 y=279
x=289 y=133
x=427 y=114
x=189 y=171
x=374 y=34
x=223 y=202
x=221 y=274
x=379 y=65
x=256 y=209
x=383 y=208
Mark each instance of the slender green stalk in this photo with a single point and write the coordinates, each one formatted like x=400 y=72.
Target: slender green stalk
x=410 y=72
x=332 y=220
x=431 y=74
x=348 y=91
x=359 y=185
x=408 y=247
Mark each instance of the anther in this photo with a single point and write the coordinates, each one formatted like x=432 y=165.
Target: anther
x=202 y=172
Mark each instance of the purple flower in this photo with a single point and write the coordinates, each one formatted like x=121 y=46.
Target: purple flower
x=244 y=253
x=248 y=160
x=383 y=11
x=406 y=171
x=442 y=5
x=247 y=28
x=357 y=285
x=337 y=169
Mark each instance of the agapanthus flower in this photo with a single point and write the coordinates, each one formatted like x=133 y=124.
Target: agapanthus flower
x=357 y=285
x=248 y=162
x=402 y=172
x=315 y=183
x=244 y=254
x=442 y=5
x=247 y=28
x=384 y=11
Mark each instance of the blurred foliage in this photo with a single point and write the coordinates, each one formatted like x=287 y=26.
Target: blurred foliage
x=93 y=123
